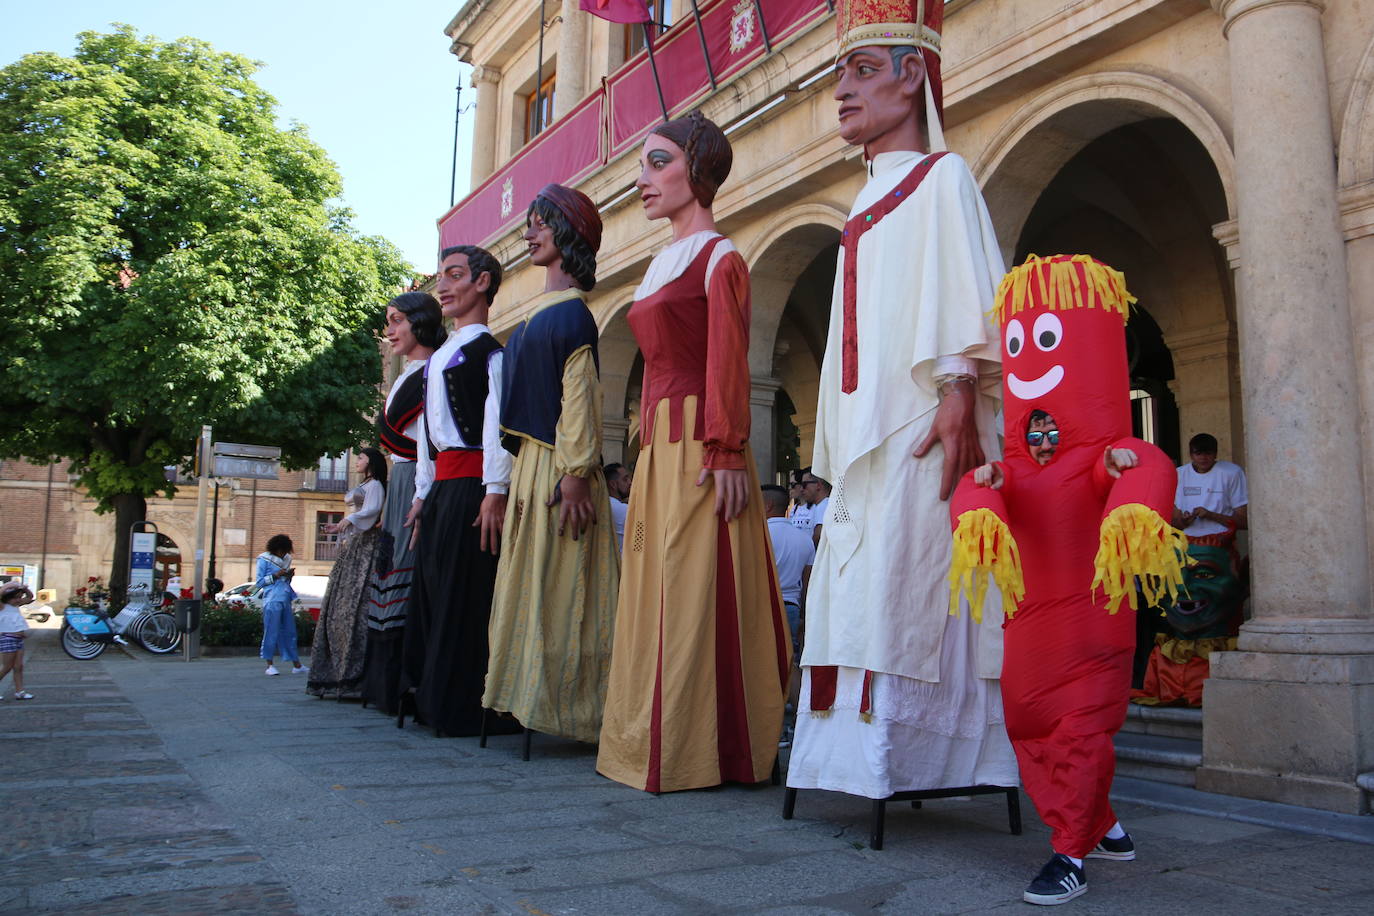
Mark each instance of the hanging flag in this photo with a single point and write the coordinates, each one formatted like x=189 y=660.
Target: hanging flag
x=618 y=10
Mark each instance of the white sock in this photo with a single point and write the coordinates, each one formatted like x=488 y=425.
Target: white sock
x=1076 y=862
x=1116 y=832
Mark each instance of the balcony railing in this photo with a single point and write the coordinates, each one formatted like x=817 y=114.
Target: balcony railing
x=622 y=111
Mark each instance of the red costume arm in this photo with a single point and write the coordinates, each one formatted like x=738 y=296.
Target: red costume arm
x=983 y=546
x=727 y=365
x=1137 y=545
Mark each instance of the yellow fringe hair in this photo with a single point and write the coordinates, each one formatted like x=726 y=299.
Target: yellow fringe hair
x=984 y=551
x=1137 y=544
x=1105 y=284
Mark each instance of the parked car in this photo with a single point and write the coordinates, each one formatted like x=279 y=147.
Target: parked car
x=309 y=592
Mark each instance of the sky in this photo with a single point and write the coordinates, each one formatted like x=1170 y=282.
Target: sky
x=373 y=83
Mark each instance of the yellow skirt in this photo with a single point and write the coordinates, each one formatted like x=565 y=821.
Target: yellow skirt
x=553 y=613
x=702 y=649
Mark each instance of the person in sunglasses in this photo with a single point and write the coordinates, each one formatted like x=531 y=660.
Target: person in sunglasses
x=1042 y=438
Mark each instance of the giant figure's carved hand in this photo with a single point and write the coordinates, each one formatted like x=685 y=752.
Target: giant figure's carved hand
x=573 y=496
x=491 y=518
x=957 y=432
x=732 y=491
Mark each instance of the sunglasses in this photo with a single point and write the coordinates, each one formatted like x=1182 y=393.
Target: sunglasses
x=1039 y=436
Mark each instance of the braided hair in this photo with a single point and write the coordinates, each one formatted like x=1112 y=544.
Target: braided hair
x=579 y=257
x=709 y=155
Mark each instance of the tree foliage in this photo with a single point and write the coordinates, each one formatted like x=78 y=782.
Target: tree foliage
x=170 y=257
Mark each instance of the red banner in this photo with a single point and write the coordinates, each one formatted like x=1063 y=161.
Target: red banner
x=568 y=151
x=734 y=39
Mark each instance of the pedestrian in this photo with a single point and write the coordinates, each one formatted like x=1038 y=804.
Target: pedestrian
x=1068 y=523
x=1212 y=501
x=793 y=555
x=14 y=629
x=619 y=479
x=700 y=660
x=278 y=614
x=340 y=646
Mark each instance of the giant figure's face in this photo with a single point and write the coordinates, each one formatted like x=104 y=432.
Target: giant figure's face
x=664 y=183
x=1213 y=591
x=876 y=99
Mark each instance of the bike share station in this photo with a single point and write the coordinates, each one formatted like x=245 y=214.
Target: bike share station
x=86 y=633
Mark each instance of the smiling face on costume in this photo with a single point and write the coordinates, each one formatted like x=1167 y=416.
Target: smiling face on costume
x=399 y=333
x=664 y=184
x=875 y=98
x=1069 y=362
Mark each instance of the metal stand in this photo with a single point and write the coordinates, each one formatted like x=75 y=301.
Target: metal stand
x=875 y=838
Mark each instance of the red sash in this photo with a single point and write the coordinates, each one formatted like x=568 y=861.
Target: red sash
x=853 y=231
x=455 y=463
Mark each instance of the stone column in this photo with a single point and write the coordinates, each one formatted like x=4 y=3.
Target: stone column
x=573 y=44
x=487 y=81
x=1305 y=668
x=614 y=432
x=763 y=393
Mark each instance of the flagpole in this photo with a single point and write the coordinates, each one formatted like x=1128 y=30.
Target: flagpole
x=701 y=35
x=539 y=76
x=763 y=26
x=649 y=46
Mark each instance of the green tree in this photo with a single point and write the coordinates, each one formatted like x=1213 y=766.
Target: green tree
x=170 y=257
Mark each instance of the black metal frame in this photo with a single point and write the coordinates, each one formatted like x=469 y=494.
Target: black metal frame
x=878 y=823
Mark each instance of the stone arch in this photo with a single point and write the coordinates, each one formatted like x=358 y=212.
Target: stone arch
x=791 y=263
x=1067 y=116
x=1355 y=157
x=619 y=358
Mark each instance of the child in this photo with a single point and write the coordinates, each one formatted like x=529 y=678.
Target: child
x=278 y=623
x=13 y=630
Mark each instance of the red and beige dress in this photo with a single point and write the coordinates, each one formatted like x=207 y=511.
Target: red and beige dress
x=701 y=655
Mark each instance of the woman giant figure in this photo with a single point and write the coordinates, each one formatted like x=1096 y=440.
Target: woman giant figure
x=337 y=654
x=415 y=329
x=700 y=661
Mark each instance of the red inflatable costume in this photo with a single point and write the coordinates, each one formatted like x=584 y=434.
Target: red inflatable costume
x=1065 y=542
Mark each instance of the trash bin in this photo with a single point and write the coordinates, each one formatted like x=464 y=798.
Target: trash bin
x=187 y=611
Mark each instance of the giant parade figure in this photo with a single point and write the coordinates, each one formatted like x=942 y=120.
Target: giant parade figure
x=898 y=695
x=1070 y=524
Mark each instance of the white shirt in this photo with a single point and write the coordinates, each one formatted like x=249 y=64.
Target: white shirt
x=819 y=511
x=12 y=620
x=372 y=495
x=1221 y=490
x=793 y=552
x=437 y=419
x=618 y=512
x=412 y=431
x=802 y=517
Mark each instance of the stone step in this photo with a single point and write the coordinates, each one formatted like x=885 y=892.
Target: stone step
x=1164 y=721
x=1158 y=758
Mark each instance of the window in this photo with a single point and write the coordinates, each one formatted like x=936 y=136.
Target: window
x=326 y=545
x=662 y=13
x=545 y=97
x=332 y=474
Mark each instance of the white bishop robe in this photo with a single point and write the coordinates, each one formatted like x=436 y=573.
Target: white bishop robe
x=879 y=592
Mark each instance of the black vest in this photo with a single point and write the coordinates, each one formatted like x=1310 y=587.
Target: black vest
x=465 y=379
x=532 y=370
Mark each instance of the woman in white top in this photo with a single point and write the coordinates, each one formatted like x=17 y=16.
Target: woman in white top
x=339 y=648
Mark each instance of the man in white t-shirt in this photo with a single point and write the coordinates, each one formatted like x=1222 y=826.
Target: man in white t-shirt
x=818 y=494
x=1211 y=502
x=793 y=555
x=618 y=482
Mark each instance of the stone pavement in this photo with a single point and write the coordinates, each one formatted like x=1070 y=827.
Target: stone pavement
x=135 y=784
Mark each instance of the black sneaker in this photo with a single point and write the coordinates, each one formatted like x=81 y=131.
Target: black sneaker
x=1058 y=882
x=1122 y=849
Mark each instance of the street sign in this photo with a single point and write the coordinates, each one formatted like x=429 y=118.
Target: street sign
x=239 y=450
x=254 y=468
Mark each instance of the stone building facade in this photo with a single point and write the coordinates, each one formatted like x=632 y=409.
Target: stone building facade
x=1220 y=153
x=79 y=543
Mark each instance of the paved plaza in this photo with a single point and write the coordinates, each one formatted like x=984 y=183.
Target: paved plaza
x=135 y=784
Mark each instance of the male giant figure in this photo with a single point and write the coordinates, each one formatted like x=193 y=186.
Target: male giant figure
x=897 y=694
